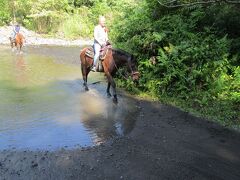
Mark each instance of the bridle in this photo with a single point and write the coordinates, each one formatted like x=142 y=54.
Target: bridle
x=133 y=73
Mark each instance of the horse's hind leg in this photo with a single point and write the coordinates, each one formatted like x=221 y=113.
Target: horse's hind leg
x=84 y=74
x=85 y=83
x=108 y=90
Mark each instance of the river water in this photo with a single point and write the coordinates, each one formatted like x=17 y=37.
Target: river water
x=43 y=104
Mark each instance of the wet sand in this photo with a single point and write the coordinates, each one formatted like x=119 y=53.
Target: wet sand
x=166 y=143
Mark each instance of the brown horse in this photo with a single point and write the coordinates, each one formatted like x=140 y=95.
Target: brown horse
x=113 y=60
x=17 y=42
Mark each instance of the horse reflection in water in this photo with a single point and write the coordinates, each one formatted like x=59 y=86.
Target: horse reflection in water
x=103 y=119
x=112 y=61
x=21 y=70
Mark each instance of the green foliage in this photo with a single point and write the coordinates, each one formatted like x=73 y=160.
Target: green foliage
x=4 y=12
x=77 y=25
x=186 y=53
x=69 y=18
x=80 y=3
x=45 y=16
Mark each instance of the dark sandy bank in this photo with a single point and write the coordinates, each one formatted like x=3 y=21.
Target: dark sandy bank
x=165 y=144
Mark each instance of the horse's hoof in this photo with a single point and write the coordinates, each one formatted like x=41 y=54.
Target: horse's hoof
x=115 y=100
x=86 y=89
x=109 y=95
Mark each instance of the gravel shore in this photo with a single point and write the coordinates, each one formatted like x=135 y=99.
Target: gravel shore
x=33 y=38
x=166 y=143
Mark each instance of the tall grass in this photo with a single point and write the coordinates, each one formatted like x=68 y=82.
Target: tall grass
x=81 y=23
x=76 y=26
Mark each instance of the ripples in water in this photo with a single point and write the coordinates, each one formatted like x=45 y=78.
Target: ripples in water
x=43 y=104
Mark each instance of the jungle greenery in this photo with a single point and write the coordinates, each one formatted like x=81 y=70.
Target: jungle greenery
x=188 y=56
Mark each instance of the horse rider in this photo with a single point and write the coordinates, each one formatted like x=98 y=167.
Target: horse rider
x=16 y=30
x=100 y=39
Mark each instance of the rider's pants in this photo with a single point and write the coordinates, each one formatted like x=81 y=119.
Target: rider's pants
x=97 y=49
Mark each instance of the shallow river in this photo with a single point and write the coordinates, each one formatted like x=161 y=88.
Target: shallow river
x=43 y=104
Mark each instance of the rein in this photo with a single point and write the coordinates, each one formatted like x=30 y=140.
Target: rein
x=128 y=64
x=105 y=54
x=132 y=73
x=119 y=71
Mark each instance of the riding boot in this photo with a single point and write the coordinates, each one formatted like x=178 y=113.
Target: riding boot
x=94 y=69
x=100 y=67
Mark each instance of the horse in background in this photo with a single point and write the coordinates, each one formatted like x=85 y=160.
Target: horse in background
x=111 y=62
x=17 y=42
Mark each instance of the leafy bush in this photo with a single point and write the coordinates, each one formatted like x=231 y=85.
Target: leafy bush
x=183 y=53
x=4 y=12
x=77 y=26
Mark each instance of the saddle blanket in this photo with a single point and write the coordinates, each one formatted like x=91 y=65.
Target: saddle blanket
x=103 y=51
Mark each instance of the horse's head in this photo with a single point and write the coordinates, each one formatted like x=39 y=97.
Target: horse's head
x=124 y=58
x=132 y=62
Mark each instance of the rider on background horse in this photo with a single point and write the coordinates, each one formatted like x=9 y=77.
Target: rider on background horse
x=16 y=30
x=16 y=38
x=100 y=39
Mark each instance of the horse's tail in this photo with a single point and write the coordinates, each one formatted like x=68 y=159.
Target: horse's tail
x=82 y=56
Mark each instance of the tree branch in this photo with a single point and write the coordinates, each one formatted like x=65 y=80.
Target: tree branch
x=232 y=2
x=195 y=3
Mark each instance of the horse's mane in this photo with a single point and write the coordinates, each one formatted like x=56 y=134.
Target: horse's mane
x=121 y=52
x=122 y=55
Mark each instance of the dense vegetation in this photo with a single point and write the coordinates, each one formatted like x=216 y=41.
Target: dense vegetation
x=66 y=18
x=188 y=56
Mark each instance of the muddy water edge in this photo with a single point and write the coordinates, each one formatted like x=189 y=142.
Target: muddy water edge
x=44 y=107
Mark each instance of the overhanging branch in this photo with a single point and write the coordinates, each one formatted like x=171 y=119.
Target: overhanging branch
x=170 y=5
x=233 y=2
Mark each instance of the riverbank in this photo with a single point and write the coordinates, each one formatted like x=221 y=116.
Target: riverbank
x=166 y=143
x=33 y=38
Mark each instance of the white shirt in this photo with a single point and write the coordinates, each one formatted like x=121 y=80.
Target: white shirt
x=100 y=35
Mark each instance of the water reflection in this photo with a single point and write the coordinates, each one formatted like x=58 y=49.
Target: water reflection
x=43 y=105
x=21 y=68
x=106 y=118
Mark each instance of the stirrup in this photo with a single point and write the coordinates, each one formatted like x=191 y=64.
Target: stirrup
x=94 y=69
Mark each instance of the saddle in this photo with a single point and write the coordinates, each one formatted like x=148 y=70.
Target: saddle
x=90 y=52
x=104 y=51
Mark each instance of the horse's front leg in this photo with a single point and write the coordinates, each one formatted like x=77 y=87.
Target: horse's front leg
x=20 y=48
x=12 y=46
x=11 y=43
x=108 y=90
x=113 y=84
